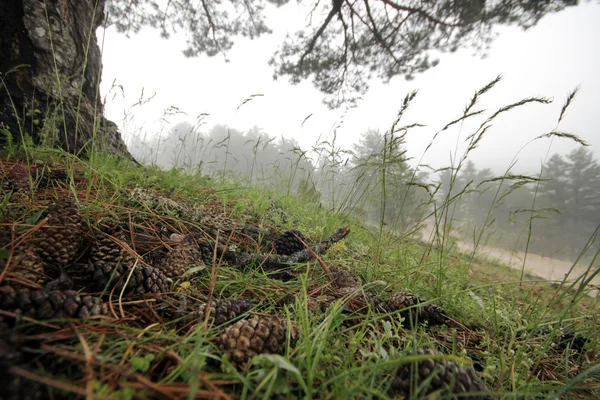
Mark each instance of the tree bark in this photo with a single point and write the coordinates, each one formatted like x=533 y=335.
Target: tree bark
x=50 y=66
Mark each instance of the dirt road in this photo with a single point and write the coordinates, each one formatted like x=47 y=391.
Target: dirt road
x=542 y=267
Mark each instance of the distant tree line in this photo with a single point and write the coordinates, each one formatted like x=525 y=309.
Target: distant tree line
x=561 y=205
x=253 y=157
x=372 y=180
x=551 y=213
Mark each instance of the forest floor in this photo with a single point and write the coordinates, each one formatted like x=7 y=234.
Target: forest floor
x=120 y=282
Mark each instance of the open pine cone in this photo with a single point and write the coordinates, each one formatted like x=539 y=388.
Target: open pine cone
x=25 y=270
x=257 y=335
x=60 y=240
x=111 y=266
x=412 y=311
x=447 y=378
x=180 y=259
x=223 y=311
x=40 y=304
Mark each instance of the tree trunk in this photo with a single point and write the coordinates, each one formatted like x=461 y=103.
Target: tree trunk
x=50 y=66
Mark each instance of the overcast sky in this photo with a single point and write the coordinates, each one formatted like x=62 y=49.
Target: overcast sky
x=549 y=60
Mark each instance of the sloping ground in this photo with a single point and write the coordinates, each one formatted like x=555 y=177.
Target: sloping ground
x=135 y=283
x=547 y=268
x=543 y=267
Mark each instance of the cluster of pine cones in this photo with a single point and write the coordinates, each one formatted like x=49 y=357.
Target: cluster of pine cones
x=406 y=307
x=47 y=262
x=37 y=256
x=21 y=179
x=40 y=259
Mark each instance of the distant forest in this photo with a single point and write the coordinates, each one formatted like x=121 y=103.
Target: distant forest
x=553 y=212
x=560 y=206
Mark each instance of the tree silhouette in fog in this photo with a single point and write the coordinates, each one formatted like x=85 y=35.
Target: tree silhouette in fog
x=51 y=64
x=564 y=215
x=572 y=189
x=225 y=153
x=345 y=43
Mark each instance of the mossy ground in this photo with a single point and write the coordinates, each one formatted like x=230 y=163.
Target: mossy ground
x=507 y=329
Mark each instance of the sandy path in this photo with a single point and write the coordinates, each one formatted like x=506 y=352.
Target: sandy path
x=542 y=267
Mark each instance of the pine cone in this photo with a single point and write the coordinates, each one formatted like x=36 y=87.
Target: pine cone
x=449 y=378
x=258 y=335
x=39 y=304
x=144 y=279
x=343 y=278
x=433 y=314
x=401 y=300
x=180 y=259
x=252 y=233
x=355 y=299
x=26 y=269
x=413 y=311
x=289 y=242
x=49 y=176
x=222 y=311
x=60 y=241
x=106 y=248
x=572 y=340
x=110 y=265
x=18 y=179
x=379 y=305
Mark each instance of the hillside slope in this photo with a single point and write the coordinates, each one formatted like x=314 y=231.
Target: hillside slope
x=121 y=282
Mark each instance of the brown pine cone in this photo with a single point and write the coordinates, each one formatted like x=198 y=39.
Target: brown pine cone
x=355 y=298
x=401 y=300
x=180 y=259
x=447 y=378
x=49 y=176
x=26 y=269
x=111 y=264
x=107 y=248
x=39 y=304
x=410 y=309
x=316 y=303
x=343 y=278
x=223 y=311
x=289 y=242
x=258 y=335
x=144 y=278
x=433 y=314
x=60 y=240
x=18 y=179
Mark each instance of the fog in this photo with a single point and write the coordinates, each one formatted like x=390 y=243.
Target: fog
x=552 y=213
x=549 y=60
x=516 y=181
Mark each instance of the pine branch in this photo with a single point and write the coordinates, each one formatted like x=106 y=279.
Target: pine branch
x=276 y=262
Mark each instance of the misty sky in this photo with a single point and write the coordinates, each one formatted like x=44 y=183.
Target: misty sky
x=549 y=60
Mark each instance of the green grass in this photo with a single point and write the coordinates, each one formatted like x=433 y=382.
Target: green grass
x=504 y=321
x=510 y=325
